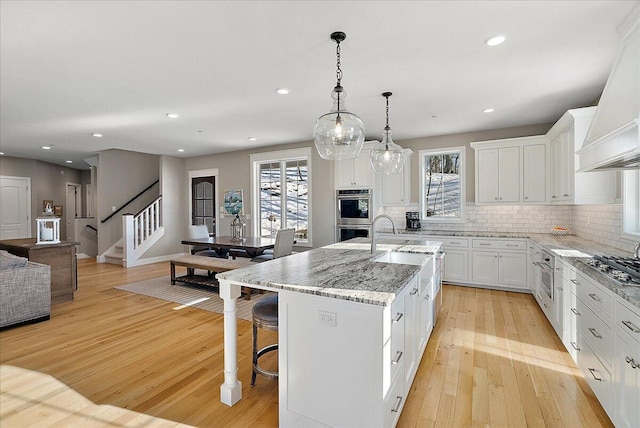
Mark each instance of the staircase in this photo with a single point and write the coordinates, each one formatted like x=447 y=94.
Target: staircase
x=139 y=233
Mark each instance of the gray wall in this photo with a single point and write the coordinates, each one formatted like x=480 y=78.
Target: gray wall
x=122 y=175
x=48 y=182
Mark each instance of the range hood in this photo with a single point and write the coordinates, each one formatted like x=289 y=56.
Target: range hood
x=613 y=139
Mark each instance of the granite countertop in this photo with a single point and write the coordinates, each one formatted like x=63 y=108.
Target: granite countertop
x=569 y=248
x=344 y=270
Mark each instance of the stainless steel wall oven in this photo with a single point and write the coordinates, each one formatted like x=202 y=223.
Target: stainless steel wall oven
x=354 y=206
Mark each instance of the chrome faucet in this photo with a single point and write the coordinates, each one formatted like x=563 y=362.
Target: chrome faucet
x=373 y=230
x=636 y=251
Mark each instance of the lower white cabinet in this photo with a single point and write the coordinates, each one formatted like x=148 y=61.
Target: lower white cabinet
x=500 y=263
x=455 y=266
x=627 y=366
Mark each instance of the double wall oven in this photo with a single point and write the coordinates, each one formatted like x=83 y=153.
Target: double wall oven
x=354 y=213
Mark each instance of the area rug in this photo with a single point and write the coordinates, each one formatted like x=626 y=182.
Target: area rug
x=196 y=297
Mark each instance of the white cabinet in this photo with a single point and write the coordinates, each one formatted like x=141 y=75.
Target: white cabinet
x=499 y=263
x=354 y=173
x=534 y=177
x=567 y=186
x=511 y=170
x=455 y=265
x=627 y=366
x=395 y=189
x=499 y=174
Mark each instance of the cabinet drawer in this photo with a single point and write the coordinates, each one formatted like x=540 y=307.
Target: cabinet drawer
x=454 y=242
x=594 y=296
x=500 y=245
x=597 y=376
x=628 y=320
x=394 y=402
x=596 y=333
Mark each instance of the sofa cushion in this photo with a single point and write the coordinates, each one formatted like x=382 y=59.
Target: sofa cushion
x=10 y=261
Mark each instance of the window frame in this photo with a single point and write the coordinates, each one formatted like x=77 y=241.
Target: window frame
x=461 y=150
x=280 y=156
x=631 y=204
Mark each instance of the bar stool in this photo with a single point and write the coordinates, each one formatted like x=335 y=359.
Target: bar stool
x=265 y=315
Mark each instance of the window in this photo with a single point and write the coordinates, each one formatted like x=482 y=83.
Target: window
x=281 y=193
x=631 y=205
x=442 y=184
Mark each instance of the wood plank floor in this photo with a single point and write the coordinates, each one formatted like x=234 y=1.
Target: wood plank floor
x=492 y=360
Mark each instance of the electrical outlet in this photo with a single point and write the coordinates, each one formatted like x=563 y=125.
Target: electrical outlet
x=327 y=318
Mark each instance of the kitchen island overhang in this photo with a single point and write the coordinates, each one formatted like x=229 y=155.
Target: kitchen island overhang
x=358 y=292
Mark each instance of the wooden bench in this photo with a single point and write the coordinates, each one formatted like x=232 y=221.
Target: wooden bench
x=210 y=264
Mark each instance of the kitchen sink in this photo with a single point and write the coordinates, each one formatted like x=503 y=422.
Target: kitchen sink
x=401 y=258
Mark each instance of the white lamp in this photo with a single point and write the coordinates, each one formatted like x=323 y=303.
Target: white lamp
x=338 y=134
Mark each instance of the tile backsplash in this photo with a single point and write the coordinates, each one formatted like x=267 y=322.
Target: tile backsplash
x=600 y=223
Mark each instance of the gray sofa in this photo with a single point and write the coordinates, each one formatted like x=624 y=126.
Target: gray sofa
x=25 y=291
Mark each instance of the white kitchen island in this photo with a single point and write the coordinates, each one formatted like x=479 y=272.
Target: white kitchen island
x=351 y=333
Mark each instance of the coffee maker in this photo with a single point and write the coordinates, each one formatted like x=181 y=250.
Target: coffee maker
x=413 y=220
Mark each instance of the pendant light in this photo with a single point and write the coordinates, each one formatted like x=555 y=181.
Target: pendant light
x=387 y=157
x=338 y=134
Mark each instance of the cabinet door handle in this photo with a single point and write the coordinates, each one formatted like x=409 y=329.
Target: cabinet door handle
x=565 y=195
x=574 y=346
x=526 y=197
x=414 y=292
x=495 y=199
x=595 y=333
x=631 y=326
x=634 y=365
x=483 y=244
x=398 y=317
x=593 y=373
x=426 y=297
x=553 y=197
x=396 y=408
x=559 y=288
x=545 y=305
x=396 y=360
x=512 y=245
x=595 y=297
x=575 y=311
x=575 y=282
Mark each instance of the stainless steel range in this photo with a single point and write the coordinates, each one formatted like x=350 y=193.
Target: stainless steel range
x=624 y=270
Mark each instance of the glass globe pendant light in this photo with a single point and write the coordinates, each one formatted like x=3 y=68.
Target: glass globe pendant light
x=338 y=134
x=387 y=157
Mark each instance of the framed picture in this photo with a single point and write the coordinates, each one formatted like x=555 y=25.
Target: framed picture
x=233 y=202
x=57 y=210
x=47 y=206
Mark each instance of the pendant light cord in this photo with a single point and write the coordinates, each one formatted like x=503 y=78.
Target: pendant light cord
x=387 y=128
x=338 y=74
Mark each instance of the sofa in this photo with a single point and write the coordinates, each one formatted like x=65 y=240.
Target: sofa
x=25 y=291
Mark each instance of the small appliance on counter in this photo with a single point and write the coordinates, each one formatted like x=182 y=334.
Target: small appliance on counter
x=413 y=220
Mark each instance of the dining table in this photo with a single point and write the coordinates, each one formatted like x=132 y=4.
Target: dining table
x=253 y=246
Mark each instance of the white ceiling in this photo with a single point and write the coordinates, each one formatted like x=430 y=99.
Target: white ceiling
x=70 y=69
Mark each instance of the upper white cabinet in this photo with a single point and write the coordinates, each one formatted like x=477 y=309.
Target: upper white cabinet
x=511 y=170
x=355 y=173
x=567 y=186
x=395 y=189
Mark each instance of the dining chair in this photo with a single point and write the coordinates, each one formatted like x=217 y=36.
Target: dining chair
x=282 y=247
x=200 y=231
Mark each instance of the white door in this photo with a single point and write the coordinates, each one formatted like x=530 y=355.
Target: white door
x=15 y=206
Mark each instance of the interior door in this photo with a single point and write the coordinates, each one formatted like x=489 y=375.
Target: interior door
x=203 y=197
x=72 y=209
x=15 y=206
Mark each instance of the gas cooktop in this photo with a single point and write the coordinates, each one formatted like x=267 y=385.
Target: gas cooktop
x=624 y=270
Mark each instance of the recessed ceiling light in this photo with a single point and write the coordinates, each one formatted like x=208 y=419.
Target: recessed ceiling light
x=488 y=110
x=69 y=161
x=282 y=91
x=173 y=115
x=181 y=150
x=46 y=147
x=97 y=135
x=200 y=131
x=495 y=41
x=252 y=138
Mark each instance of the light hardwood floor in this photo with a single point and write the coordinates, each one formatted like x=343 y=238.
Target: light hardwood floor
x=492 y=360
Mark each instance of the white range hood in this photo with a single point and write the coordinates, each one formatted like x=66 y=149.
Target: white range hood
x=613 y=139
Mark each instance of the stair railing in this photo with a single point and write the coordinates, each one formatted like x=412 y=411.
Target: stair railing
x=129 y=201
x=140 y=231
